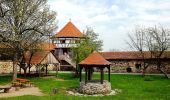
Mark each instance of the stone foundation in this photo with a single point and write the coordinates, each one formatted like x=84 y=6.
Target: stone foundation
x=95 y=87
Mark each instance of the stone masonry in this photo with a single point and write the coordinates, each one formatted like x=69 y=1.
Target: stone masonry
x=6 y=67
x=95 y=87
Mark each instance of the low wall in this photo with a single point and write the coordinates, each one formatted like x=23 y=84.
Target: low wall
x=6 y=67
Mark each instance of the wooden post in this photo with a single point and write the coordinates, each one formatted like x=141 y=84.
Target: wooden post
x=46 y=69
x=102 y=75
x=80 y=72
x=89 y=73
x=85 y=75
x=109 y=72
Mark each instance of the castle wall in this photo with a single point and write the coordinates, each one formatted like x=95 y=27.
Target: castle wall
x=120 y=66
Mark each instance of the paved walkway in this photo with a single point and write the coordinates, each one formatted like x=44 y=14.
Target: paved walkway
x=24 y=91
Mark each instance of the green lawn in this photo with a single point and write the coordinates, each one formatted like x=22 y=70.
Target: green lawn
x=133 y=87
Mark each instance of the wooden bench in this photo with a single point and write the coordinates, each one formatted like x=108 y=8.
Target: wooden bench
x=5 y=88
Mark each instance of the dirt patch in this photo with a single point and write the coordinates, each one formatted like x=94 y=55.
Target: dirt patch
x=59 y=79
x=47 y=77
x=22 y=91
x=53 y=77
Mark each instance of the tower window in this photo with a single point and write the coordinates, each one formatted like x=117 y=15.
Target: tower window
x=77 y=41
x=63 y=41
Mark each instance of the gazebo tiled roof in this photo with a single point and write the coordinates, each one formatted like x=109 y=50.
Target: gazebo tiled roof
x=95 y=59
x=69 y=31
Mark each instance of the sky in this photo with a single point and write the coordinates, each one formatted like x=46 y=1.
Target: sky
x=113 y=20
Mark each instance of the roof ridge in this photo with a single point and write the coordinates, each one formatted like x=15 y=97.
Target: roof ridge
x=69 y=30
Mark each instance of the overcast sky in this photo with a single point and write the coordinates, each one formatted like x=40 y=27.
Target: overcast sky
x=112 y=19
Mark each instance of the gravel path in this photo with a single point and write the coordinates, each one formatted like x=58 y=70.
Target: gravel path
x=23 y=91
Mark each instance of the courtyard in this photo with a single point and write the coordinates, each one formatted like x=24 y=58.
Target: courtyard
x=131 y=86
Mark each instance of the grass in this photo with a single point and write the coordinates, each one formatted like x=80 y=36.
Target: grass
x=133 y=87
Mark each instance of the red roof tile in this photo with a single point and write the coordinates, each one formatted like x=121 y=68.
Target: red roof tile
x=120 y=55
x=48 y=46
x=36 y=58
x=130 y=55
x=94 y=59
x=69 y=30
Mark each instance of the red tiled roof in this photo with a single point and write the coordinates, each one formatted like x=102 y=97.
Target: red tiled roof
x=120 y=55
x=130 y=55
x=94 y=59
x=48 y=46
x=69 y=30
x=36 y=58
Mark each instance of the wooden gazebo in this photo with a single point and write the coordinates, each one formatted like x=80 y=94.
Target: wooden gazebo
x=94 y=60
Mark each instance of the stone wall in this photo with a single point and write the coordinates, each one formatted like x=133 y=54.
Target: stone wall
x=6 y=67
x=120 y=66
x=95 y=87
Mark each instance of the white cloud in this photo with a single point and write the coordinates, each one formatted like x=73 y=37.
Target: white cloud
x=112 y=19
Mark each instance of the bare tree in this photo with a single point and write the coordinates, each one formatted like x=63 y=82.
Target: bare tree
x=152 y=43
x=23 y=24
x=137 y=42
x=158 y=44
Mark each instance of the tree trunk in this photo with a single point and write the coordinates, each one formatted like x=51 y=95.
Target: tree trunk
x=15 y=61
x=77 y=70
x=29 y=67
x=164 y=72
x=160 y=69
x=25 y=72
x=77 y=66
x=144 y=69
x=57 y=68
x=29 y=63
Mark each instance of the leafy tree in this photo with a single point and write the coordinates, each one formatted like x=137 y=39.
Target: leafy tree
x=90 y=43
x=24 y=24
x=152 y=42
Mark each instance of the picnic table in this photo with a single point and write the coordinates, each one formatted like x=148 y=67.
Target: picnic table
x=21 y=82
x=6 y=88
